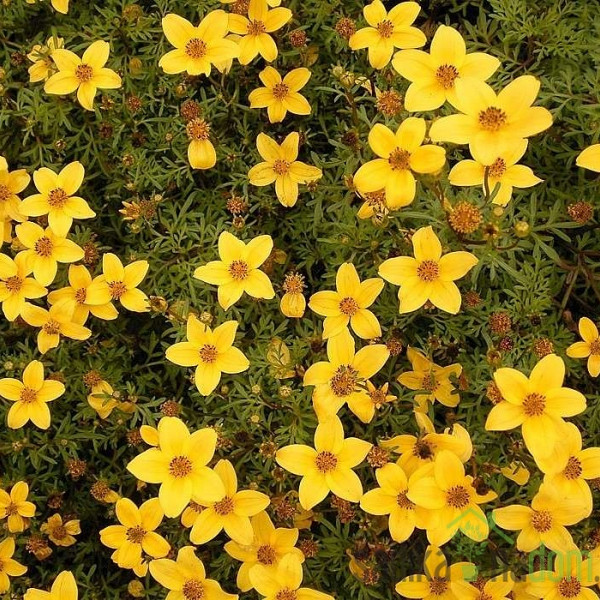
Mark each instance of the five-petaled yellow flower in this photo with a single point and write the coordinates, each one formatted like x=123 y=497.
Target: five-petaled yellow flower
x=14 y=506
x=349 y=305
x=589 y=158
x=122 y=282
x=281 y=95
x=12 y=183
x=238 y=270
x=86 y=74
x=197 y=48
x=589 y=348
x=429 y=275
x=179 y=465
x=9 y=567
x=63 y=588
x=15 y=285
x=30 y=396
x=62 y=533
x=256 y=30
x=40 y=56
x=400 y=155
x=433 y=76
x=201 y=152
x=328 y=466
x=280 y=166
x=387 y=31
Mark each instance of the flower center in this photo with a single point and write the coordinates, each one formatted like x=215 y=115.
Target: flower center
x=195 y=48
x=446 y=75
x=193 y=590
x=492 y=118
x=541 y=521
x=44 y=246
x=344 y=380
x=208 y=353
x=51 y=327
x=534 y=405
x=84 y=72
x=573 y=470
x=198 y=129
x=5 y=193
x=180 y=466
x=117 y=289
x=404 y=502
x=14 y=284
x=294 y=283
x=11 y=509
x=281 y=167
x=57 y=198
x=378 y=397
x=399 y=159
x=458 y=497
x=497 y=168
x=326 y=461
x=266 y=555
x=428 y=270
x=423 y=449
x=59 y=532
x=280 y=91
x=595 y=347
x=28 y=395
x=286 y=594
x=239 y=269
x=485 y=596
x=135 y=534
x=429 y=383
x=224 y=507
x=348 y=306
x=385 y=28
x=569 y=588
x=80 y=295
x=256 y=28
x=438 y=586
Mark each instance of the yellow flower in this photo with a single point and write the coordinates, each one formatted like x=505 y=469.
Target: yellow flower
x=293 y=302
x=281 y=95
x=190 y=514
x=211 y=352
x=374 y=205
x=349 y=305
x=135 y=533
x=503 y=171
x=238 y=270
x=428 y=276
x=490 y=123
x=516 y=472
x=11 y=184
x=56 y=198
x=45 y=250
x=327 y=467
x=62 y=534
x=201 y=152
x=284 y=582
x=8 y=565
x=400 y=154
x=85 y=295
x=14 y=506
x=387 y=31
x=30 y=396
x=85 y=74
x=53 y=323
x=433 y=76
x=186 y=577
x=268 y=547
x=231 y=511
x=280 y=166
x=101 y=398
x=431 y=378
x=16 y=287
x=197 y=48
x=179 y=465
x=589 y=348
x=123 y=282
x=589 y=158
x=256 y=28
x=63 y=588
x=538 y=403
x=497 y=588
x=438 y=579
x=452 y=499
x=61 y=6
x=41 y=57
x=391 y=499
x=342 y=378
x=542 y=523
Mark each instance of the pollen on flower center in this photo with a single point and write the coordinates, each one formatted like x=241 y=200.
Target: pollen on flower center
x=180 y=466
x=193 y=590
x=573 y=470
x=196 y=48
x=485 y=596
x=224 y=507
x=293 y=283
x=44 y=246
x=84 y=72
x=5 y=193
x=438 y=586
x=326 y=461
x=266 y=555
x=446 y=75
x=256 y=28
x=14 y=284
x=569 y=587
x=403 y=502
x=57 y=198
x=135 y=534
x=208 y=353
x=399 y=159
x=281 y=167
x=286 y=594
x=492 y=118
x=385 y=28
x=117 y=289
x=541 y=521
x=11 y=509
x=595 y=347
x=428 y=270
x=239 y=269
x=280 y=91
x=28 y=395
x=534 y=405
x=458 y=497
x=198 y=129
x=429 y=382
x=80 y=296
x=497 y=168
x=51 y=328
x=423 y=449
x=348 y=306
x=344 y=380
x=59 y=532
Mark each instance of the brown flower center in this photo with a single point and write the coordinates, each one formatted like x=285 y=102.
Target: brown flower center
x=239 y=270
x=348 y=306
x=541 y=521
x=195 y=48
x=458 y=497
x=293 y=283
x=266 y=555
x=438 y=586
x=446 y=75
x=208 y=353
x=51 y=327
x=281 y=167
x=135 y=534
x=224 y=507
x=117 y=289
x=43 y=247
x=428 y=270
x=569 y=587
x=57 y=198
x=198 y=129
x=256 y=28
x=399 y=159
x=423 y=449
x=429 y=382
x=193 y=590
x=59 y=532
x=492 y=118
x=11 y=509
x=497 y=168
x=286 y=594
x=404 y=502
x=595 y=347
x=280 y=91
x=344 y=380
x=5 y=193
x=485 y=596
x=28 y=395
x=534 y=405
x=385 y=28
x=84 y=73
x=180 y=466
x=573 y=470
x=326 y=461
x=80 y=295
x=14 y=284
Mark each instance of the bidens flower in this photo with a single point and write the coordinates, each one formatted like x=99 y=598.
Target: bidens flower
x=123 y=281
x=429 y=275
x=201 y=152
x=589 y=158
x=85 y=74
x=63 y=588
x=400 y=154
x=41 y=57
x=14 y=507
x=11 y=184
x=589 y=348
x=387 y=31
x=15 y=285
x=9 y=567
x=62 y=533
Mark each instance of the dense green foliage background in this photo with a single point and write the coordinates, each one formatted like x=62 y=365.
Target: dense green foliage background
x=543 y=280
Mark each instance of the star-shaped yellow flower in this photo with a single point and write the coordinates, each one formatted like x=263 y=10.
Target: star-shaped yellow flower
x=590 y=346
x=63 y=588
